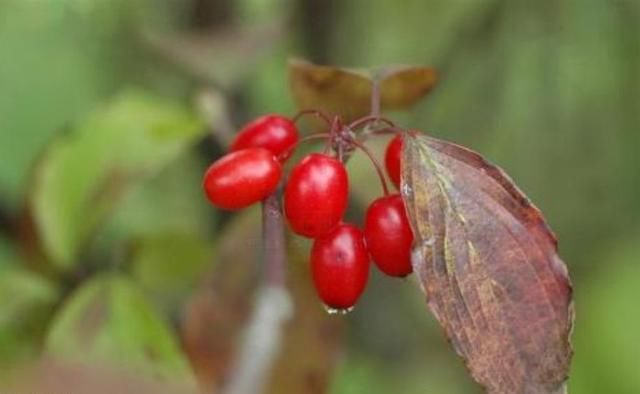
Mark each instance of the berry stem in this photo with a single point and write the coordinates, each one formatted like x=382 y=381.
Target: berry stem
x=386 y=130
x=371 y=119
x=308 y=138
x=375 y=163
x=312 y=112
x=336 y=128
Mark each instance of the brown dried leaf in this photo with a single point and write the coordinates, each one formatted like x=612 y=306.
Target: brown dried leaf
x=488 y=264
x=404 y=86
x=347 y=92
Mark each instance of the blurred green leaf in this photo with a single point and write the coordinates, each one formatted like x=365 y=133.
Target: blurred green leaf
x=198 y=53
x=364 y=374
x=109 y=320
x=170 y=265
x=25 y=298
x=84 y=61
x=20 y=292
x=179 y=205
x=607 y=326
x=7 y=252
x=83 y=173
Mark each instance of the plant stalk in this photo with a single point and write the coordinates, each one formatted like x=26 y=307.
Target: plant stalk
x=273 y=308
x=275 y=257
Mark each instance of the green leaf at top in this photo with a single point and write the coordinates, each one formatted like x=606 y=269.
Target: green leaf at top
x=109 y=321
x=83 y=173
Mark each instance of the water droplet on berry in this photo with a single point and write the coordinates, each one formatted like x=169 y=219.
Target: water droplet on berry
x=407 y=191
x=337 y=311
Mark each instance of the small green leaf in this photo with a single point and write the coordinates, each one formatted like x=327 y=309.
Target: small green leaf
x=20 y=292
x=83 y=173
x=109 y=320
x=26 y=299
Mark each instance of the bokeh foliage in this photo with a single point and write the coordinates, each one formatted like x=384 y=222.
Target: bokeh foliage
x=100 y=96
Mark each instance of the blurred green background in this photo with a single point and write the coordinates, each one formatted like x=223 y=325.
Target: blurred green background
x=109 y=252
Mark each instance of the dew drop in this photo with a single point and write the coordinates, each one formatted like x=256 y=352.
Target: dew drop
x=337 y=311
x=407 y=191
x=428 y=242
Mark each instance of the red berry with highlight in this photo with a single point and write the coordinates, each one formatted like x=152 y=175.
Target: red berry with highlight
x=242 y=178
x=392 y=159
x=316 y=195
x=340 y=266
x=388 y=235
x=273 y=132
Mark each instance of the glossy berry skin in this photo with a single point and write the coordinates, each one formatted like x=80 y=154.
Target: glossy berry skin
x=242 y=178
x=340 y=266
x=273 y=132
x=316 y=194
x=388 y=235
x=392 y=159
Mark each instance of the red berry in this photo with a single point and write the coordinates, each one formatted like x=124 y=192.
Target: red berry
x=242 y=178
x=340 y=266
x=273 y=132
x=389 y=235
x=392 y=159
x=316 y=194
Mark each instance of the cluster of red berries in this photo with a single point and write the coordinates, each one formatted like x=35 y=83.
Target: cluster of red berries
x=315 y=200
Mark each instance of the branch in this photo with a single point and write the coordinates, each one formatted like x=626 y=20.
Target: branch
x=273 y=308
x=273 y=236
x=375 y=95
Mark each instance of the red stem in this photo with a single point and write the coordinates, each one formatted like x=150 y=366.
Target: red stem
x=315 y=136
x=369 y=119
x=386 y=130
x=313 y=112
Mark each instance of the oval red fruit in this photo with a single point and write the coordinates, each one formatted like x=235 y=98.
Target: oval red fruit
x=316 y=194
x=273 y=132
x=388 y=235
x=242 y=178
x=340 y=266
x=392 y=159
